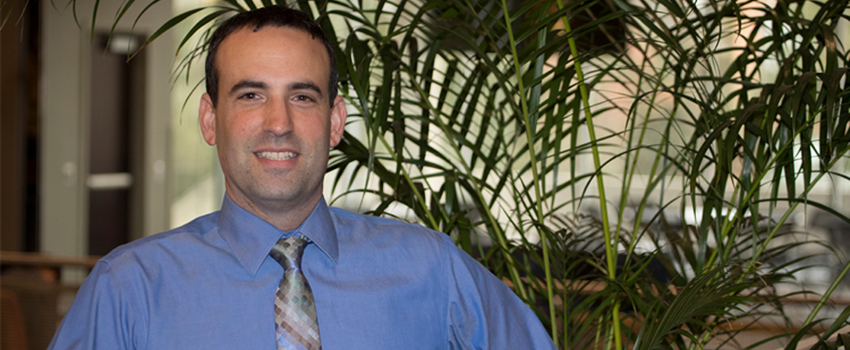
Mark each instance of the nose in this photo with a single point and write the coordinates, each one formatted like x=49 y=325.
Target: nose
x=278 y=119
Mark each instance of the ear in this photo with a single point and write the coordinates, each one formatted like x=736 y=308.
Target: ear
x=338 y=115
x=206 y=116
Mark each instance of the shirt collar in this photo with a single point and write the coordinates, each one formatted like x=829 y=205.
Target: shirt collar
x=251 y=238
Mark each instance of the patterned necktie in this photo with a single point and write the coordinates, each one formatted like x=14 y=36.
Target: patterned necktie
x=294 y=311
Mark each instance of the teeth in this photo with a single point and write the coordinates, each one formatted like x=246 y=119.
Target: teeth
x=276 y=155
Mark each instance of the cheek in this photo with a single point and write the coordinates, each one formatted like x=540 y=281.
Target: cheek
x=236 y=130
x=309 y=131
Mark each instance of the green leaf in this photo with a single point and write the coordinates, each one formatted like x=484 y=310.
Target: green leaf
x=200 y=24
x=172 y=22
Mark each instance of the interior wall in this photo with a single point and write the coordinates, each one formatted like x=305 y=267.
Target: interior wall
x=65 y=106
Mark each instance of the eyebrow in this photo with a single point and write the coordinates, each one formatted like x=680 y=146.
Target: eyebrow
x=306 y=86
x=248 y=84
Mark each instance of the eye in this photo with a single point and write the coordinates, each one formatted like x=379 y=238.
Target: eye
x=303 y=98
x=248 y=96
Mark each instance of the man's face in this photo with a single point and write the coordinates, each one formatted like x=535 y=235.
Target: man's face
x=273 y=125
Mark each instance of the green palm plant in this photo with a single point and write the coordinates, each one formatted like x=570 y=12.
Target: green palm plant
x=564 y=144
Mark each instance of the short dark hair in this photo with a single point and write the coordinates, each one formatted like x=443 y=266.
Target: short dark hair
x=277 y=16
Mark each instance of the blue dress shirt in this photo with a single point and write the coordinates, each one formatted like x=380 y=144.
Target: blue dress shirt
x=378 y=284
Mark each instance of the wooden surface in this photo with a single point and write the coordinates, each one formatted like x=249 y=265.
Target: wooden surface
x=43 y=260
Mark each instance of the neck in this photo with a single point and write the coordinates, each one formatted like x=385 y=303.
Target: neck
x=283 y=216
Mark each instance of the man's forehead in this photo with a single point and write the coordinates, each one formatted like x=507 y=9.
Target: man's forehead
x=251 y=42
x=292 y=32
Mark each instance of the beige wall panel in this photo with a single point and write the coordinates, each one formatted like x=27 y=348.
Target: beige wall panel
x=64 y=119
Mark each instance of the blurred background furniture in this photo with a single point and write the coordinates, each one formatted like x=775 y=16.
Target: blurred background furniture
x=33 y=297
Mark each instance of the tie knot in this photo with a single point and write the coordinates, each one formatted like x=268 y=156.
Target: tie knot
x=288 y=251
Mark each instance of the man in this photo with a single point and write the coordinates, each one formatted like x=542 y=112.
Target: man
x=349 y=281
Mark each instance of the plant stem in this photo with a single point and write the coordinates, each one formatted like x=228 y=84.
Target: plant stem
x=610 y=253
x=529 y=132
x=826 y=295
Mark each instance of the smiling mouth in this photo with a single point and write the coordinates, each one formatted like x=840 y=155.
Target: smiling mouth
x=277 y=155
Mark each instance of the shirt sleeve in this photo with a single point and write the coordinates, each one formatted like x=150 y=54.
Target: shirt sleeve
x=102 y=315
x=485 y=314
